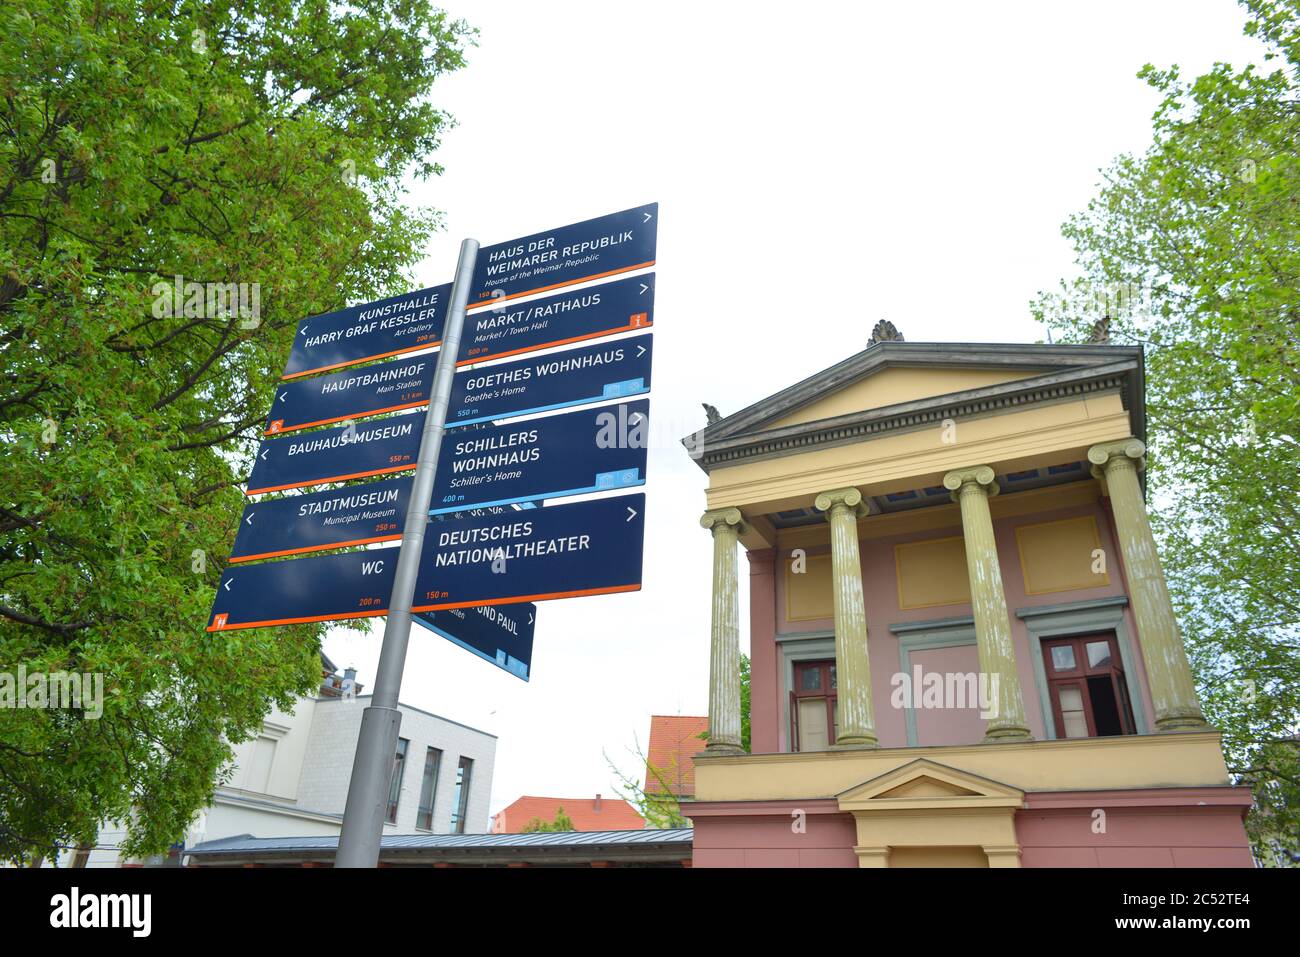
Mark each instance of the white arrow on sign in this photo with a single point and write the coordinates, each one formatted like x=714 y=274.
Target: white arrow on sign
x=636 y=417
x=631 y=513
x=640 y=351
x=282 y=395
x=228 y=581
x=530 y=619
x=249 y=520
x=647 y=217
x=644 y=289
x=302 y=331
x=263 y=455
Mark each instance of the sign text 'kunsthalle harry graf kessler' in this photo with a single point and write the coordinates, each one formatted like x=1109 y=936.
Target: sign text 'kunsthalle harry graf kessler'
x=510 y=329
x=352 y=394
x=605 y=246
x=553 y=381
x=562 y=551
x=372 y=330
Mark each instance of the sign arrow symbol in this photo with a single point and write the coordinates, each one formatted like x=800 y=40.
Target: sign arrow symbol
x=636 y=417
x=249 y=520
x=263 y=455
x=631 y=513
x=530 y=619
x=640 y=351
x=644 y=289
x=228 y=581
x=282 y=395
x=647 y=217
x=302 y=331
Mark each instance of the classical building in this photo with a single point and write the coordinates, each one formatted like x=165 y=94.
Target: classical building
x=951 y=542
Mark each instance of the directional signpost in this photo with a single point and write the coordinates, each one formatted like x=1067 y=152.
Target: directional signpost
x=509 y=329
x=355 y=515
x=337 y=455
x=605 y=246
x=476 y=550
x=351 y=394
x=553 y=381
x=592 y=450
x=375 y=330
x=502 y=634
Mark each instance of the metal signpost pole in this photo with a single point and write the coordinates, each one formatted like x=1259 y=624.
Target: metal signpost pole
x=363 y=816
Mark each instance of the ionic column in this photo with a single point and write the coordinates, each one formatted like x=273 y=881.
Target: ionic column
x=852 y=668
x=724 y=655
x=1173 y=692
x=972 y=489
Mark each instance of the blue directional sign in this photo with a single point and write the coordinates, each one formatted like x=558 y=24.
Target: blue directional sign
x=355 y=515
x=556 y=381
x=336 y=455
x=352 y=394
x=507 y=330
x=605 y=246
x=501 y=634
x=322 y=588
x=561 y=551
x=372 y=330
x=591 y=450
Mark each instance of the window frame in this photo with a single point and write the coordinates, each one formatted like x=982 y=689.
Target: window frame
x=827 y=690
x=395 y=780
x=1079 y=675
x=428 y=789
x=460 y=801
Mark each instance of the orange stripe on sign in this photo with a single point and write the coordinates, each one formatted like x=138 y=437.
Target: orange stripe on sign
x=344 y=418
x=353 y=362
x=313 y=548
x=559 y=285
x=330 y=478
x=297 y=621
x=630 y=327
x=544 y=596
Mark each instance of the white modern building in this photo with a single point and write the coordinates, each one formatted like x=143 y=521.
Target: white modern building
x=292 y=779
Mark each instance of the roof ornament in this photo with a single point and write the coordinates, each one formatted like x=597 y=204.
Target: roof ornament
x=711 y=414
x=884 y=331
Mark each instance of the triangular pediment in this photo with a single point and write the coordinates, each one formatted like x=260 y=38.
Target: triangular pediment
x=925 y=783
x=906 y=381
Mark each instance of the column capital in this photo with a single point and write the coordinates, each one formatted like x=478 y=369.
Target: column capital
x=1126 y=452
x=850 y=498
x=977 y=476
x=716 y=517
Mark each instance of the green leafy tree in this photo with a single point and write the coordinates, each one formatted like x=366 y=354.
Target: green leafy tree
x=562 y=822
x=1193 y=250
x=233 y=142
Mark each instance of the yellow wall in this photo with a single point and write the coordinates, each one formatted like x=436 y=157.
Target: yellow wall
x=897 y=385
x=932 y=573
x=1060 y=556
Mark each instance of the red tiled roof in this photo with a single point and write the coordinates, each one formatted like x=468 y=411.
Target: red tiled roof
x=587 y=814
x=674 y=741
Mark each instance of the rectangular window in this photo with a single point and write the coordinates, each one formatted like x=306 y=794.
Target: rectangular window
x=428 y=788
x=461 y=800
x=1085 y=678
x=395 y=782
x=814 y=706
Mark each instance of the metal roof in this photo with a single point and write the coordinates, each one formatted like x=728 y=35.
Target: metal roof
x=246 y=843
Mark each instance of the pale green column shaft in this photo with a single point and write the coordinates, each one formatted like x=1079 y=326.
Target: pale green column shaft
x=1173 y=691
x=724 y=654
x=857 y=724
x=972 y=488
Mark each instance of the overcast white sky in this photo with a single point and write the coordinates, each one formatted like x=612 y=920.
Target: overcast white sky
x=819 y=166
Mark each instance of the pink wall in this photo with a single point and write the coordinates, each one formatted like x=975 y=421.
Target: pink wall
x=767 y=620
x=1154 y=827
x=760 y=834
x=1184 y=827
